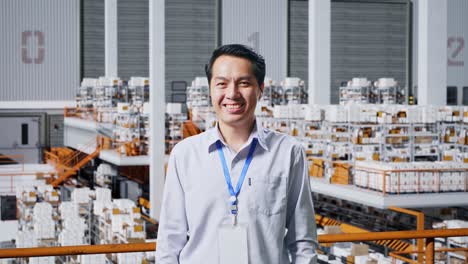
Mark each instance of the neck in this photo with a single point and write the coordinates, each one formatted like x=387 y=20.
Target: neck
x=236 y=136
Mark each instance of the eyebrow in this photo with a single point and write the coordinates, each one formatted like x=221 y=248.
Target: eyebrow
x=242 y=78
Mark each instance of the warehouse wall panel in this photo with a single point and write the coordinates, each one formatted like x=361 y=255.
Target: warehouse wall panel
x=190 y=39
x=55 y=130
x=92 y=38
x=39 y=49
x=457 y=45
x=133 y=38
x=261 y=24
x=368 y=39
x=298 y=40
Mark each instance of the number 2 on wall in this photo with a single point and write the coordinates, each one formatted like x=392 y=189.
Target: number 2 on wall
x=455 y=47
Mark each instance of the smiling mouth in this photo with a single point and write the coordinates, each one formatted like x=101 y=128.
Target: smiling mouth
x=234 y=107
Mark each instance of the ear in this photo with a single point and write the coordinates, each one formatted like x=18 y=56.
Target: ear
x=262 y=86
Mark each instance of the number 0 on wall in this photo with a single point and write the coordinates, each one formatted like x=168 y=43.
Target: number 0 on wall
x=28 y=36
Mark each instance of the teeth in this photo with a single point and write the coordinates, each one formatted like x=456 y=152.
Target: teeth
x=233 y=106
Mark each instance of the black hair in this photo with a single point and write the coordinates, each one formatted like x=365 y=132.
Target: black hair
x=241 y=51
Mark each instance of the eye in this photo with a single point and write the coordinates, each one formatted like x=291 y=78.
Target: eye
x=244 y=83
x=221 y=84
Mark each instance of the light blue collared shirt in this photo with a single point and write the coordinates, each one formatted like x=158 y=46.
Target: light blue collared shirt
x=275 y=201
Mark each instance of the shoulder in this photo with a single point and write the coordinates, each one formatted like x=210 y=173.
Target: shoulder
x=282 y=142
x=190 y=144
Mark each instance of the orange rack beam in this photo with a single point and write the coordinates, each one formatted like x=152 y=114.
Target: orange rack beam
x=141 y=247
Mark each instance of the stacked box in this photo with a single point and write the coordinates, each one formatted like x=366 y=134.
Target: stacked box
x=92 y=259
x=341 y=173
x=119 y=221
x=463 y=241
x=68 y=210
x=316 y=168
x=26 y=239
x=198 y=95
x=449 y=114
x=400 y=177
x=294 y=111
x=81 y=195
x=102 y=209
x=71 y=238
x=44 y=227
x=42 y=210
x=103 y=195
x=428 y=182
x=314 y=114
x=428 y=114
x=26 y=194
x=104 y=174
x=465 y=114
x=336 y=114
x=363 y=113
x=130 y=258
x=135 y=231
x=42 y=260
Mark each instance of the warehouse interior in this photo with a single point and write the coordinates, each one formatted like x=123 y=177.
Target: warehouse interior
x=96 y=93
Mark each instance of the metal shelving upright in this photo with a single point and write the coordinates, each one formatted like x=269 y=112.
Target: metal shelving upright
x=425 y=142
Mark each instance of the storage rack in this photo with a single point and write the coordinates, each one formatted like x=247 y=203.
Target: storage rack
x=425 y=142
x=198 y=95
x=390 y=95
x=396 y=145
x=127 y=131
x=270 y=95
x=362 y=91
x=338 y=153
x=357 y=95
x=144 y=131
x=84 y=98
x=294 y=91
x=174 y=129
x=138 y=92
x=366 y=139
x=449 y=147
x=314 y=138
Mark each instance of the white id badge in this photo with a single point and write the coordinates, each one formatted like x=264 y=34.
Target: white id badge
x=232 y=244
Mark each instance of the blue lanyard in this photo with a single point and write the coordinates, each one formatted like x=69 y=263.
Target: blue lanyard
x=242 y=176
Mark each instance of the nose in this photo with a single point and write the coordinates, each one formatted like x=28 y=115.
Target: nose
x=232 y=91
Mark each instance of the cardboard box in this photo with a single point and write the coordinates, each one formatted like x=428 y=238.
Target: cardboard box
x=332 y=230
x=316 y=168
x=359 y=250
x=341 y=173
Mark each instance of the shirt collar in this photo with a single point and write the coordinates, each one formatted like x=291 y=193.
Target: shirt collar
x=257 y=132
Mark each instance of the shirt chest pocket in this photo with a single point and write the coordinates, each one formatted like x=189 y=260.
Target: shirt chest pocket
x=268 y=196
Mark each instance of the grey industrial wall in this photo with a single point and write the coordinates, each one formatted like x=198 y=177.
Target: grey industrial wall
x=262 y=25
x=92 y=38
x=55 y=130
x=457 y=52
x=298 y=39
x=39 y=50
x=368 y=39
x=133 y=38
x=190 y=38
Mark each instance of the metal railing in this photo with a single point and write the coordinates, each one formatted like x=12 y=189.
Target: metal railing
x=428 y=235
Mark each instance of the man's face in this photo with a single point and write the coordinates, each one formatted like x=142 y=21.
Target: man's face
x=234 y=91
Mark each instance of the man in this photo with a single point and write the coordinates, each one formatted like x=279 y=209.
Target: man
x=237 y=193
